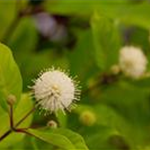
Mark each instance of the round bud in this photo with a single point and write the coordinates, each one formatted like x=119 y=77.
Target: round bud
x=11 y=99
x=115 y=69
x=52 y=124
x=88 y=118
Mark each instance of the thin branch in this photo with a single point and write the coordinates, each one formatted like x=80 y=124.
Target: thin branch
x=103 y=79
x=11 y=117
x=24 y=118
x=13 y=128
x=26 y=132
x=86 y=91
x=5 y=135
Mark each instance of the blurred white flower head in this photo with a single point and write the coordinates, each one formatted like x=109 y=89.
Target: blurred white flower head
x=132 y=61
x=54 y=90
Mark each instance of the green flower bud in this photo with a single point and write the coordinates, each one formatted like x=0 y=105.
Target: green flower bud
x=52 y=124
x=88 y=118
x=11 y=99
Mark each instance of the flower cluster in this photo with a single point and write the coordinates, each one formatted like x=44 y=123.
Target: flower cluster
x=132 y=61
x=54 y=90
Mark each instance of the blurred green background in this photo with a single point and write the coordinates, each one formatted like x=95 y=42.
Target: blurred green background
x=84 y=37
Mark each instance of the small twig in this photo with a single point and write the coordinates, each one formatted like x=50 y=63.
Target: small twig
x=5 y=135
x=84 y=92
x=26 y=132
x=29 y=113
x=11 y=100
x=11 y=117
x=22 y=131
x=13 y=128
x=103 y=79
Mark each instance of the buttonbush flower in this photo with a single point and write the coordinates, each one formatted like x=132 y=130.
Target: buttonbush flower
x=132 y=61
x=54 y=90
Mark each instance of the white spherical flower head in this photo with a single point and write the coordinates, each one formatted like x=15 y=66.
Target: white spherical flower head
x=132 y=61
x=54 y=91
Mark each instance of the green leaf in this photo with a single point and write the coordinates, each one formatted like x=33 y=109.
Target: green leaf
x=108 y=124
x=128 y=111
x=6 y=18
x=10 y=77
x=23 y=107
x=82 y=56
x=23 y=41
x=61 y=138
x=68 y=7
x=62 y=119
x=130 y=14
x=100 y=134
x=120 y=10
x=130 y=101
x=106 y=41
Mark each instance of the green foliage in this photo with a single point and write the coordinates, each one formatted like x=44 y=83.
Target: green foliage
x=19 y=112
x=114 y=111
x=106 y=41
x=6 y=18
x=62 y=138
x=10 y=78
x=124 y=11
